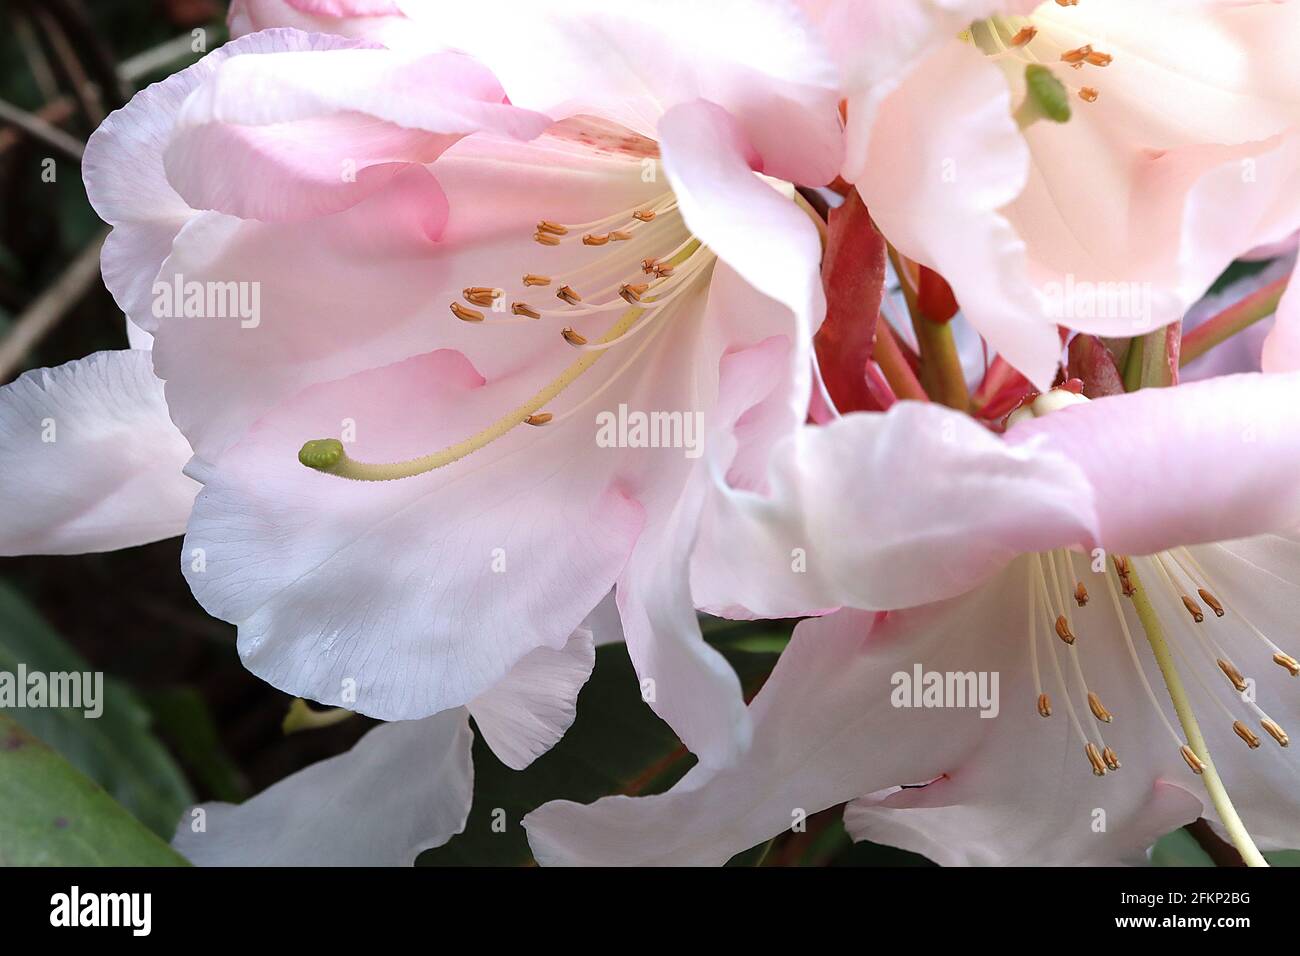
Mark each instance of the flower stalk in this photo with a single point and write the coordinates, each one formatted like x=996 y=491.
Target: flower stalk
x=1259 y=305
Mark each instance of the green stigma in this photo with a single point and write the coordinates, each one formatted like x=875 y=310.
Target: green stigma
x=1045 y=97
x=322 y=454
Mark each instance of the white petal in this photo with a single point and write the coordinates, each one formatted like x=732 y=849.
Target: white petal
x=404 y=788
x=529 y=710
x=89 y=459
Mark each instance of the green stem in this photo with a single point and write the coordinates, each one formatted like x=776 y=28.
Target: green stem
x=941 y=372
x=1260 y=304
x=1195 y=739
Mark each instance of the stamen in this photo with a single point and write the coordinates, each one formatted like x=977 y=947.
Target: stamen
x=532 y=279
x=1098 y=710
x=1097 y=58
x=545 y=239
x=483 y=297
x=1231 y=672
x=1088 y=94
x=1276 y=732
x=632 y=292
x=573 y=338
x=1212 y=601
x=553 y=228
x=464 y=314
x=1111 y=758
x=540 y=418
x=1080 y=594
x=1044 y=705
x=1246 y=734
x=1193 y=761
x=618 y=235
x=1024 y=36
x=1287 y=661
x=1077 y=55
x=1063 y=630
x=1193 y=609
x=645 y=215
x=593 y=240
x=523 y=308
x=1094 y=758
x=568 y=295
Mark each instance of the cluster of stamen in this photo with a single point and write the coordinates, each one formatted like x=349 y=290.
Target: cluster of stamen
x=649 y=258
x=1177 y=576
x=1010 y=37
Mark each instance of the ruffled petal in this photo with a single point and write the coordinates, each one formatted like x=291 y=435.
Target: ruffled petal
x=528 y=711
x=759 y=60
x=90 y=460
x=1206 y=461
x=972 y=504
x=305 y=134
x=126 y=182
x=402 y=598
x=404 y=788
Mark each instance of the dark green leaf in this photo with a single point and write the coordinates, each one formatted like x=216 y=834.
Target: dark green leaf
x=52 y=815
x=117 y=749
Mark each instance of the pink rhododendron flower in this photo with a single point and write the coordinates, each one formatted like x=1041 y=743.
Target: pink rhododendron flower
x=603 y=247
x=1092 y=557
x=1178 y=155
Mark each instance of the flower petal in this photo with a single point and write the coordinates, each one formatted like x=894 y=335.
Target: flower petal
x=527 y=712
x=404 y=788
x=90 y=460
x=937 y=190
x=417 y=594
x=305 y=134
x=973 y=503
x=755 y=229
x=371 y=285
x=126 y=182
x=630 y=63
x=824 y=731
x=1206 y=461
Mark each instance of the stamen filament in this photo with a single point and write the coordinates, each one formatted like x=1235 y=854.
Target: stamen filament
x=1182 y=706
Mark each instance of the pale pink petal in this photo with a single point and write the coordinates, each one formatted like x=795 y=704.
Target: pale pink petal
x=372 y=285
x=1206 y=461
x=126 y=182
x=402 y=598
x=527 y=712
x=306 y=134
x=404 y=788
x=89 y=459
x=835 y=530
x=749 y=224
x=759 y=60
x=376 y=20
x=825 y=731
x=739 y=378
x=937 y=190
